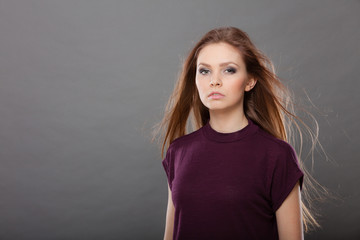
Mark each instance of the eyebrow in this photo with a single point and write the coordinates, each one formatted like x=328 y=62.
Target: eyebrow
x=221 y=64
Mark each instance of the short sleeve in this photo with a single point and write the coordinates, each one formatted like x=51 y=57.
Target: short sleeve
x=167 y=163
x=286 y=174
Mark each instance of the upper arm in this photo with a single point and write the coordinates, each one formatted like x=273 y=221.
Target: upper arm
x=170 y=213
x=289 y=216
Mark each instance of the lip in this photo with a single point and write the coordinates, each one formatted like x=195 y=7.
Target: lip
x=217 y=96
x=217 y=93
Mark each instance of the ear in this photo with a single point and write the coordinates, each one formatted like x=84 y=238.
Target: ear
x=250 y=84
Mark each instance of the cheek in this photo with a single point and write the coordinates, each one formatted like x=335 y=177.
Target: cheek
x=197 y=85
x=238 y=84
x=241 y=85
x=236 y=90
x=200 y=85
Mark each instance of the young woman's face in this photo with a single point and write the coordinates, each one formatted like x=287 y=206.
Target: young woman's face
x=220 y=68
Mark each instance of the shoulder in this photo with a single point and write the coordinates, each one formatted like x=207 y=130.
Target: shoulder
x=280 y=155
x=272 y=144
x=185 y=140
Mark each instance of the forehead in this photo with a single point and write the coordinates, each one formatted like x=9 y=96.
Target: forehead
x=215 y=53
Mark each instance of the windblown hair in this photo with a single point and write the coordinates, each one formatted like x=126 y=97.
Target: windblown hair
x=269 y=104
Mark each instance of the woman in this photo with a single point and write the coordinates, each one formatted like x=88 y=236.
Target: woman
x=236 y=176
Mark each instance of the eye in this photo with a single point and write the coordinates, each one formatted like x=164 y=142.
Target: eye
x=230 y=70
x=203 y=71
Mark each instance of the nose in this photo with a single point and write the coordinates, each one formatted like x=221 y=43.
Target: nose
x=215 y=80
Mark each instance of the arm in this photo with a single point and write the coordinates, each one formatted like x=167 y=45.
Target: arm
x=289 y=216
x=170 y=213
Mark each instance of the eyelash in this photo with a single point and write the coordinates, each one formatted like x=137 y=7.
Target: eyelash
x=233 y=70
x=202 y=70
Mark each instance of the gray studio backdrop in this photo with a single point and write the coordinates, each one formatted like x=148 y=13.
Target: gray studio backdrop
x=82 y=82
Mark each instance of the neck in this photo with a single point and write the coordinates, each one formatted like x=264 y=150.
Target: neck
x=226 y=122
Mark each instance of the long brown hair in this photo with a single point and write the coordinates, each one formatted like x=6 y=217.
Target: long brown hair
x=269 y=104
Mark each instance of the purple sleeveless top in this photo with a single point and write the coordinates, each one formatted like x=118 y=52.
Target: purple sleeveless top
x=229 y=185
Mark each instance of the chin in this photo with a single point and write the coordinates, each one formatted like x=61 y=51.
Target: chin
x=216 y=108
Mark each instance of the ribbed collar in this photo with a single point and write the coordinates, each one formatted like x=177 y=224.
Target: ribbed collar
x=213 y=135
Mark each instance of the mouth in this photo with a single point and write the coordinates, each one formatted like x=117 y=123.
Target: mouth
x=215 y=95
